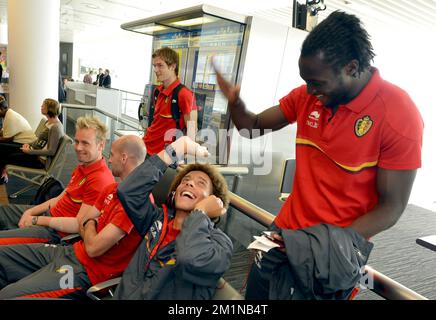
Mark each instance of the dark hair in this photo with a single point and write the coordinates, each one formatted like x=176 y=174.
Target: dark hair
x=341 y=38
x=219 y=184
x=3 y=103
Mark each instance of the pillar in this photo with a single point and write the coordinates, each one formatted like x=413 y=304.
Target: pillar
x=33 y=55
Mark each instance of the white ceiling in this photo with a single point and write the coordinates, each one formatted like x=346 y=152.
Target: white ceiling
x=93 y=16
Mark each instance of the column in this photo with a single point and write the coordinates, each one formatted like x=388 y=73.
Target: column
x=33 y=55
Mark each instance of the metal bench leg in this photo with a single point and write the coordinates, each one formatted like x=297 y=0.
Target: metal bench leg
x=21 y=191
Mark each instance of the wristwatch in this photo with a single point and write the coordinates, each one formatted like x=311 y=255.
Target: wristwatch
x=173 y=155
x=34 y=220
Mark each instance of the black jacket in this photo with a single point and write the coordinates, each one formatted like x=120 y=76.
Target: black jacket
x=321 y=262
x=187 y=268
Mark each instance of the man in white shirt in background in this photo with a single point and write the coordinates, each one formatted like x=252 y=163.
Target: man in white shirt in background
x=15 y=132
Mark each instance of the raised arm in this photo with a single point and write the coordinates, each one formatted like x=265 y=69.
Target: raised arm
x=134 y=193
x=270 y=119
x=191 y=123
x=393 y=187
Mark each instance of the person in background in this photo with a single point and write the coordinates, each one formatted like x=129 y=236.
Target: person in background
x=15 y=132
x=38 y=154
x=99 y=80
x=62 y=91
x=107 y=81
x=358 y=148
x=162 y=129
x=88 y=77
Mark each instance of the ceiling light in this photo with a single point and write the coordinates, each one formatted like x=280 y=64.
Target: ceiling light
x=193 y=22
x=150 y=29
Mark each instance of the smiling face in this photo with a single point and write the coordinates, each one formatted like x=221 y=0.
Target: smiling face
x=88 y=148
x=331 y=87
x=194 y=187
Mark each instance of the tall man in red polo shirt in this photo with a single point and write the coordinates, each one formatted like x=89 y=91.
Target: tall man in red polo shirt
x=109 y=242
x=163 y=129
x=17 y=222
x=359 y=137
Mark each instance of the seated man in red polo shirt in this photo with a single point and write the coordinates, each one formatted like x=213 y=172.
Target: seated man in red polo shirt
x=109 y=242
x=17 y=222
x=164 y=128
x=359 y=137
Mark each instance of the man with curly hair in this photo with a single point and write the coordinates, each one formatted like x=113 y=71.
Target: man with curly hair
x=182 y=254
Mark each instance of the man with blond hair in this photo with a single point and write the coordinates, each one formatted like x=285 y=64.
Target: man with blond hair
x=18 y=222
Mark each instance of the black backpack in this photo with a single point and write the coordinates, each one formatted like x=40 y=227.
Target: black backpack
x=51 y=188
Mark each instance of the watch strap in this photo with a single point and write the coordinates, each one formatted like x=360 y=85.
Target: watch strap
x=173 y=156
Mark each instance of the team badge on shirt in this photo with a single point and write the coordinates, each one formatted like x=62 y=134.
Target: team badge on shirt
x=362 y=126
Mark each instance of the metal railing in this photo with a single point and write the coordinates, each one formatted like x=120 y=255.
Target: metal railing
x=382 y=285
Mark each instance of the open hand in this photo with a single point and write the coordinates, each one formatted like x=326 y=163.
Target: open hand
x=230 y=91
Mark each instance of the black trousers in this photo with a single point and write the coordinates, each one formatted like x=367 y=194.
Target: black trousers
x=257 y=283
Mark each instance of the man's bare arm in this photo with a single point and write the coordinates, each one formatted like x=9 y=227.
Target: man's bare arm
x=191 y=124
x=393 y=187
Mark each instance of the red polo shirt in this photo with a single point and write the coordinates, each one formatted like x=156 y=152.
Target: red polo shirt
x=337 y=157
x=113 y=262
x=84 y=187
x=163 y=122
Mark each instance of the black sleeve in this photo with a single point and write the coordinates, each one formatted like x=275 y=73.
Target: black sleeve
x=134 y=193
x=203 y=252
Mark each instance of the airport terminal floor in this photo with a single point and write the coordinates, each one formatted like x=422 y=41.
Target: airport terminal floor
x=395 y=253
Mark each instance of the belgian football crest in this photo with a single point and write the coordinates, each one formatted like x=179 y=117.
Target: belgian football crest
x=362 y=126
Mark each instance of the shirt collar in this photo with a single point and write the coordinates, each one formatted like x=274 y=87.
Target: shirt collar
x=93 y=167
x=367 y=94
x=171 y=87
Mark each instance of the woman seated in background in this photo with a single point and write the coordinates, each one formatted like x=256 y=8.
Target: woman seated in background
x=38 y=154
